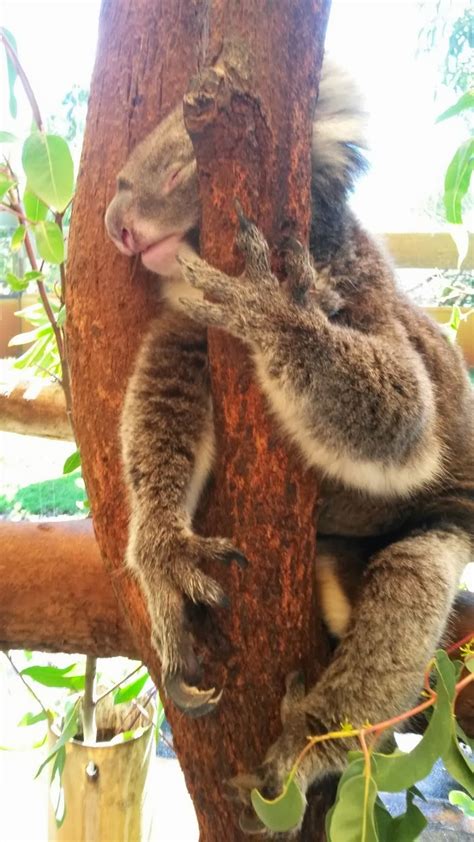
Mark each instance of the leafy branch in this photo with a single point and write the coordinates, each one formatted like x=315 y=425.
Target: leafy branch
x=358 y=813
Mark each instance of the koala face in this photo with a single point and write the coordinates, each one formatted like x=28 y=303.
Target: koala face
x=157 y=201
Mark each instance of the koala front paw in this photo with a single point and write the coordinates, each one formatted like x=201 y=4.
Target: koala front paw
x=167 y=567
x=243 y=306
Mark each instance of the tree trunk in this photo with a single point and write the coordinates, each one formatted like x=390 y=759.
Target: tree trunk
x=256 y=112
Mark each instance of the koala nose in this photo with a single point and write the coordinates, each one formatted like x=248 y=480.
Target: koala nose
x=127 y=240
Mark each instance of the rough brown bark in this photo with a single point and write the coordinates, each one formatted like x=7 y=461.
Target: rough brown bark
x=147 y=53
x=55 y=592
x=34 y=408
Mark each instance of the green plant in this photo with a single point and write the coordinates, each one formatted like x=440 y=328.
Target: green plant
x=71 y=713
x=359 y=814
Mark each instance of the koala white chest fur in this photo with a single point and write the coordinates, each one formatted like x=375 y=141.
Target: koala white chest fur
x=357 y=379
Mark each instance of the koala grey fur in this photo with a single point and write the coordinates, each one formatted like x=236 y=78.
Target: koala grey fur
x=359 y=380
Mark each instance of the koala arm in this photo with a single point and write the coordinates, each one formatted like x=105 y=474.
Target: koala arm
x=167 y=442
x=359 y=405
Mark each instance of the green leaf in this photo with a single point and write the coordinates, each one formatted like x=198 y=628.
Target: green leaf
x=353 y=817
x=55 y=676
x=130 y=691
x=49 y=169
x=284 y=812
x=457 y=180
x=72 y=462
x=469 y=663
x=70 y=728
x=35 y=209
x=465 y=101
x=7 y=137
x=398 y=771
x=407 y=827
x=32 y=718
x=11 y=70
x=16 y=284
x=30 y=336
x=5 y=183
x=17 y=238
x=458 y=765
x=49 y=242
x=34 y=276
x=461 y=800
x=56 y=788
x=383 y=821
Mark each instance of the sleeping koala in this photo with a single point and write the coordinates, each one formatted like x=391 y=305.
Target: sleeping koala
x=361 y=383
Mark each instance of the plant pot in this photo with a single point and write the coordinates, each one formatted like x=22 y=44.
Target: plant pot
x=465 y=334
x=106 y=790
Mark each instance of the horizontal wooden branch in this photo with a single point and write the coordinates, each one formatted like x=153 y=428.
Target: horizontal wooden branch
x=55 y=594
x=426 y=250
x=33 y=407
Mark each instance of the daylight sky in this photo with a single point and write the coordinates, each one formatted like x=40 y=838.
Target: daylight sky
x=376 y=40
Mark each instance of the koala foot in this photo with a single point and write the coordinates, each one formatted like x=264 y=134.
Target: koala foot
x=270 y=778
x=300 y=714
x=167 y=567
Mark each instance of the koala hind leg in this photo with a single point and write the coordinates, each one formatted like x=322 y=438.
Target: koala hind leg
x=377 y=671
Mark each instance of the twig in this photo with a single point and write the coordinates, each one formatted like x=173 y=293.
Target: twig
x=117 y=685
x=25 y=82
x=89 y=705
x=28 y=687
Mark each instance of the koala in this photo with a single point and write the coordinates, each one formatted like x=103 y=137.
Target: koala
x=360 y=382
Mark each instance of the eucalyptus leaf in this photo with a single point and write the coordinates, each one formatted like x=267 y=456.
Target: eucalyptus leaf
x=49 y=169
x=408 y=826
x=56 y=789
x=11 y=70
x=459 y=766
x=457 y=180
x=49 y=241
x=383 y=821
x=463 y=801
x=33 y=718
x=353 y=817
x=35 y=209
x=18 y=238
x=130 y=691
x=7 y=137
x=55 y=676
x=284 y=812
x=34 y=276
x=69 y=730
x=16 y=284
x=30 y=336
x=72 y=462
x=464 y=101
x=398 y=771
x=6 y=182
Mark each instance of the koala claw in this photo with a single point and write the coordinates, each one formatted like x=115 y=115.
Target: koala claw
x=250 y=823
x=191 y=700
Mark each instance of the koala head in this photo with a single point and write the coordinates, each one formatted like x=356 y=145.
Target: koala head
x=156 y=205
